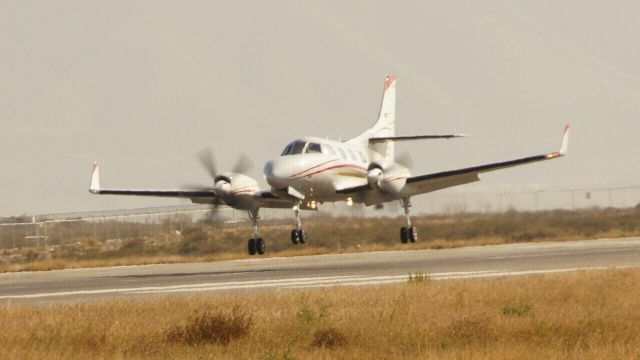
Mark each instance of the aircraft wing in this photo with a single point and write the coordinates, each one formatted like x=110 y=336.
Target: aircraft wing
x=262 y=199
x=267 y=199
x=203 y=196
x=441 y=180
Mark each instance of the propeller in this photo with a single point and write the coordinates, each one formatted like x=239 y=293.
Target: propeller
x=221 y=183
x=405 y=159
x=243 y=164
x=207 y=160
x=205 y=156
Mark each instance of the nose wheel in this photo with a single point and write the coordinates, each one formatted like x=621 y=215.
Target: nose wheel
x=298 y=235
x=256 y=244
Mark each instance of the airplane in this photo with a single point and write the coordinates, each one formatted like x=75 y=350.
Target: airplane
x=312 y=170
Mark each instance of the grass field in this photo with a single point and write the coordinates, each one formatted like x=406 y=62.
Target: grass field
x=326 y=235
x=582 y=315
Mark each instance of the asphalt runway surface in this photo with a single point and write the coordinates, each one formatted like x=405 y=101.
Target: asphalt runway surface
x=359 y=269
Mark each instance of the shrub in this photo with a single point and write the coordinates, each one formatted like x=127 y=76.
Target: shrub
x=216 y=328
x=516 y=310
x=132 y=247
x=328 y=338
x=312 y=316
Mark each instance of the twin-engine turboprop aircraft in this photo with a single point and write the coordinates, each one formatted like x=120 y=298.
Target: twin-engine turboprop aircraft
x=311 y=171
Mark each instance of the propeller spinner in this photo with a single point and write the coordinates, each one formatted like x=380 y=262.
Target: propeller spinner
x=228 y=186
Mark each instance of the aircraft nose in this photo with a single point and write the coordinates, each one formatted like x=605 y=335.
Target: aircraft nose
x=274 y=172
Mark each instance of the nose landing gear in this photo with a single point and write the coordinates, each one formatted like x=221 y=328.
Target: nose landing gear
x=298 y=235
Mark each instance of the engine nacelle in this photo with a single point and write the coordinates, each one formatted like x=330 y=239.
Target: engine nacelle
x=386 y=176
x=233 y=188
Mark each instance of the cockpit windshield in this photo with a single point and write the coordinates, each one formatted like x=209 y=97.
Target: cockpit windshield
x=294 y=148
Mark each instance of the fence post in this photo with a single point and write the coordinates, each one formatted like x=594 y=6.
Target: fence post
x=44 y=232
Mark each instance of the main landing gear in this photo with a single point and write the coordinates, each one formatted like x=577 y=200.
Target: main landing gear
x=256 y=244
x=298 y=235
x=407 y=233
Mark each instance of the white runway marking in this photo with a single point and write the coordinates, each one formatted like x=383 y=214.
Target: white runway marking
x=294 y=283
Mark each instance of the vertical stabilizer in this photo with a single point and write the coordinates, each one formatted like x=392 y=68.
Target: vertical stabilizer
x=385 y=126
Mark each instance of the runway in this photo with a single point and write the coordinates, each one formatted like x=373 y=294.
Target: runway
x=358 y=269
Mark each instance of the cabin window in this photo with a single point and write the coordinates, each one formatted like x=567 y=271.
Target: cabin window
x=294 y=148
x=328 y=149
x=362 y=157
x=353 y=155
x=314 y=148
x=342 y=153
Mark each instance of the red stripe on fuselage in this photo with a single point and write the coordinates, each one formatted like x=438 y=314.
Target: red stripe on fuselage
x=333 y=167
x=313 y=167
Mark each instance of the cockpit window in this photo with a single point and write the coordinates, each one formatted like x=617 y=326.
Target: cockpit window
x=294 y=148
x=286 y=150
x=314 y=148
x=297 y=148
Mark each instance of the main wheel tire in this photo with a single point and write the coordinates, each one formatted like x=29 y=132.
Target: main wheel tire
x=261 y=247
x=251 y=246
x=413 y=234
x=404 y=237
x=295 y=238
x=302 y=236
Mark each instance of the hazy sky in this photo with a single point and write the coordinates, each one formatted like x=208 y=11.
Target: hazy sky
x=141 y=86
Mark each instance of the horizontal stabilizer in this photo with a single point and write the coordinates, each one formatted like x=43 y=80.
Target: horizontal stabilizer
x=414 y=137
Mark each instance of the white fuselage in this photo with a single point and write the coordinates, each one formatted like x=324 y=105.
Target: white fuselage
x=318 y=172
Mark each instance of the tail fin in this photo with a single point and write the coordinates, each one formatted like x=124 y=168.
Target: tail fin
x=385 y=126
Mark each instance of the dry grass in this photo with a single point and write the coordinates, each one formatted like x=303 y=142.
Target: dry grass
x=329 y=235
x=582 y=315
x=211 y=328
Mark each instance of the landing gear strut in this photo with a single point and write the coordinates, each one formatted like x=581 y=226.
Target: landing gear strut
x=298 y=235
x=407 y=233
x=256 y=244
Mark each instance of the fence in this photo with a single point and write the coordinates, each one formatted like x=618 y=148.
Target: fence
x=533 y=200
x=60 y=229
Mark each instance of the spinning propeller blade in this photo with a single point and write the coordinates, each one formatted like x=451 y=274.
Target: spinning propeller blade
x=205 y=156
x=243 y=164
